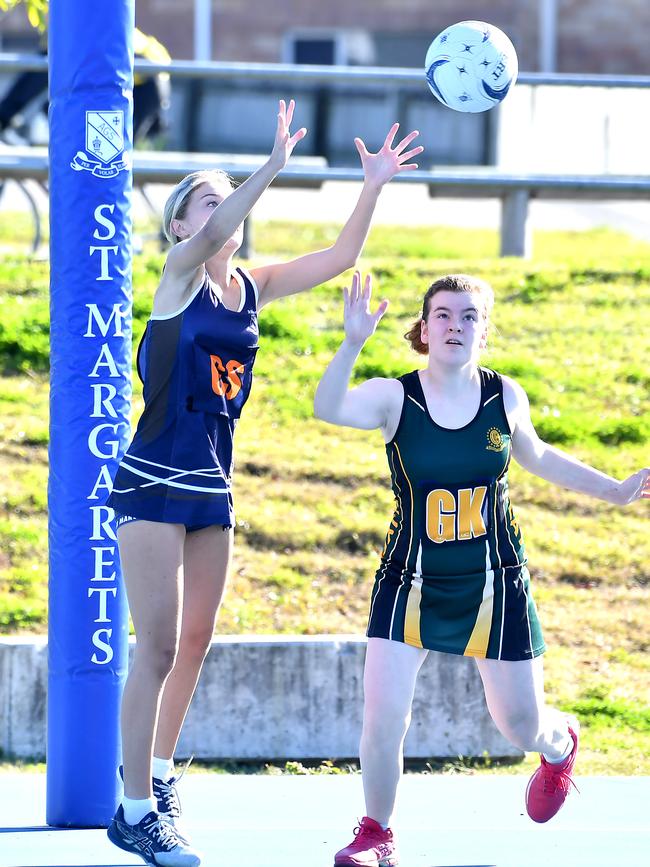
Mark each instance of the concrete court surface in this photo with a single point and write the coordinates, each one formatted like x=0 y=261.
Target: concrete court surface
x=300 y=821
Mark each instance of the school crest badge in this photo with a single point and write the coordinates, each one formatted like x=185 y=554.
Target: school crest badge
x=104 y=155
x=496 y=441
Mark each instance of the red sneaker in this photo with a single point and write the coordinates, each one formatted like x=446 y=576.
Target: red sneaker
x=549 y=786
x=371 y=847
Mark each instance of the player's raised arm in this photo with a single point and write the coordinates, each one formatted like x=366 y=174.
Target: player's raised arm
x=287 y=278
x=560 y=468
x=373 y=403
x=196 y=245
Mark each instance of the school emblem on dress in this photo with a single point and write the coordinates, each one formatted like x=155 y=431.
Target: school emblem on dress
x=104 y=155
x=496 y=442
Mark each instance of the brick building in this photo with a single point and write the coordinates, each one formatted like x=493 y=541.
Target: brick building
x=592 y=36
x=588 y=36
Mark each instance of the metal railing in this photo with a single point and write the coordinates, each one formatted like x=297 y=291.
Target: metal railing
x=325 y=74
x=514 y=190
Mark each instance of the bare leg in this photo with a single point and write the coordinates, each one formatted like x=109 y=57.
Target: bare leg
x=389 y=683
x=152 y=563
x=514 y=692
x=206 y=563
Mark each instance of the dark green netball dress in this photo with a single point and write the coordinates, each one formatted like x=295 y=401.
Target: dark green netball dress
x=453 y=573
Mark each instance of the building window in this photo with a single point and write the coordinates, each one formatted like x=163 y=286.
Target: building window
x=328 y=47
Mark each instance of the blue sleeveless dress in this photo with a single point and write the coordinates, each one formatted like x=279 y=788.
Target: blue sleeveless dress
x=197 y=369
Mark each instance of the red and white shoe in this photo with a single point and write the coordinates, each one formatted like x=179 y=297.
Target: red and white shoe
x=550 y=784
x=371 y=847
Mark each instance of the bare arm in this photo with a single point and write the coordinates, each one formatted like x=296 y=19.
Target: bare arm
x=376 y=402
x=560 y=468
x=287 y=278
x=187 y=256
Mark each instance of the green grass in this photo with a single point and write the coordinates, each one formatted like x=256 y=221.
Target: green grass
x=313 y=501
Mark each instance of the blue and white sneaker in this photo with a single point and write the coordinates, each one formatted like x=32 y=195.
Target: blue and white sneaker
x=166 y=795
x=154 y=839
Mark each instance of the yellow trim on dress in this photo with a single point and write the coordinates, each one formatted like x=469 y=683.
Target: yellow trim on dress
x=412 y=617
x=480 y=637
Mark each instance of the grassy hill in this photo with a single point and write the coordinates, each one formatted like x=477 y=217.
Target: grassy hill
x=313 y=501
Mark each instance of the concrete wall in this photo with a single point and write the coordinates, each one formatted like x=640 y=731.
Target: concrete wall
x=270 y=697
x=23 y=696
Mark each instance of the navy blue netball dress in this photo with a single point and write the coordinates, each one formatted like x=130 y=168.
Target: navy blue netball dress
x=196 y=366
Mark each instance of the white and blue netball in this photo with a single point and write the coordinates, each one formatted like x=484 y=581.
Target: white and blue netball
x=471 y=66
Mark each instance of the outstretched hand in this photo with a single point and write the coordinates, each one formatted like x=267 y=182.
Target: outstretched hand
x=359 y=322
x=284 y=141
x=635 y=487
x=379 y=168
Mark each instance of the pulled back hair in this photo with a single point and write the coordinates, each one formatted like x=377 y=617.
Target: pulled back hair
x=179 y=198
x=449 y=283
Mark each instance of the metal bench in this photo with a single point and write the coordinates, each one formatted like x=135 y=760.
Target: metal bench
x=514 y=190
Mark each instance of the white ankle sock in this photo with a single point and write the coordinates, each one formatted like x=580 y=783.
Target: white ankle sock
x=162 y=769
x=566 y=752
x=136 y=809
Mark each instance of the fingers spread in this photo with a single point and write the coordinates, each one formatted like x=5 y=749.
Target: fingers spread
x=406 y=141
x=410 y=154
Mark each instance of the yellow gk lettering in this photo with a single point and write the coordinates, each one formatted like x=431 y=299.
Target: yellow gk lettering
x=470 y=519
x=441 y=516
x=450 y=518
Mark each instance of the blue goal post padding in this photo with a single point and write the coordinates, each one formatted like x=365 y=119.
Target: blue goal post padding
x=91 y=86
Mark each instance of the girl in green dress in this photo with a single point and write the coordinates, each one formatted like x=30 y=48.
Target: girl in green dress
x=453 y=574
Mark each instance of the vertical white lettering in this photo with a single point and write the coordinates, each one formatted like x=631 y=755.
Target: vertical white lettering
x=94 y=313
x=103 y=259
x=103 y=593
x=105 y=402
x=104 y=646
x=104 y=482
x=102 y=446
x=108 y=361
x=102 y=525
x=113 y=445
x=100 y=563
x=109 y=225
